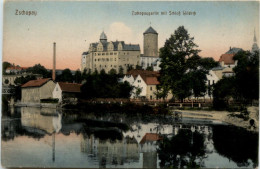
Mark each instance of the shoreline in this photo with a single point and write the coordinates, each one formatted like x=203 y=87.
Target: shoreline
x=224 y=116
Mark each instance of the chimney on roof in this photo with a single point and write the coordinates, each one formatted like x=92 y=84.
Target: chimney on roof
x=54 y=62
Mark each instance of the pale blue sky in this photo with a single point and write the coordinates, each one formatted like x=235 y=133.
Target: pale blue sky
x=73 y=25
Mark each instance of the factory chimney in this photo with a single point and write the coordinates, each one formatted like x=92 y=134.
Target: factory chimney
x=54 y=62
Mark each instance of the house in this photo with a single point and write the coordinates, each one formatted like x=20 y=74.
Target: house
x=66 y=91
x=35 y=90
x=144 y=83
x=16 y=69
x=212 y=79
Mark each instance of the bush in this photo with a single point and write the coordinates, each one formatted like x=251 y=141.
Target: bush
x=49 y=100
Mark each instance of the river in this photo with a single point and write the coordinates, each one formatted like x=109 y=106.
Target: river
x=42 y=137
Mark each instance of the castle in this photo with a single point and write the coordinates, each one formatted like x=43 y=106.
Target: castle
x=118 y=55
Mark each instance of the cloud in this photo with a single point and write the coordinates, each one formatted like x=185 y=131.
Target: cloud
x=119 y=31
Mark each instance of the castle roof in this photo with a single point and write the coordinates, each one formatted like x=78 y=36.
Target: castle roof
x=150 y=30
x=103 y=36
x=233 y=50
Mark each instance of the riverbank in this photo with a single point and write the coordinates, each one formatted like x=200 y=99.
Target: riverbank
x=226 y=116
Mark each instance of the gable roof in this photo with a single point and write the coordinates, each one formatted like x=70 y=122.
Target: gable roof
x=70 y=87
x=150 y=137
x=151 y=81
x=36 y=83
x=136 y=72
x=227 y=58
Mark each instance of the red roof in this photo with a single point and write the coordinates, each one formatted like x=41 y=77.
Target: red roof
x=227 y=58
x=150 y=80
x=16 y=68
x=136 y=72
x=36 y=83
x=150 y=137
x=69 y=87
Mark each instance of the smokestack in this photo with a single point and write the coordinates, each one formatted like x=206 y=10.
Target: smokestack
x=54 y=62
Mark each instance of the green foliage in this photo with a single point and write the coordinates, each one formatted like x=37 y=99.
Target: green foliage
x=247 y=76
x=104 y=86
x=223 y=91
x=50 y=100
x=182 y=150
x=150 y=68
x=5 y=66
x=182 y=69
x=244 y=86
x=66 y=76
x=22 y=80
x=39 y=69
x=77 y=77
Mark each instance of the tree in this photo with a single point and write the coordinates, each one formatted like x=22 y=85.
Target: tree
x=77 y=77
x=181 y=66
x=247 y=76
x=182 y=150
x=66 y=76
x=150 y=68
x=5 y=66
x=39 y=69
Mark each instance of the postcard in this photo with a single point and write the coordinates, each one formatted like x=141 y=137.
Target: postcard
x=128 y=84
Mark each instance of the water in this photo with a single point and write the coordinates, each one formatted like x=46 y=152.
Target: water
x=34 y=137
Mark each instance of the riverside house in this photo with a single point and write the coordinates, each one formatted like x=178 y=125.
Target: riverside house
x=35 y=90
x=66 y=91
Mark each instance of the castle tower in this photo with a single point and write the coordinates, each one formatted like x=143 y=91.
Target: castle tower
x=150 y=42
x=255 y=46
x=103 y=37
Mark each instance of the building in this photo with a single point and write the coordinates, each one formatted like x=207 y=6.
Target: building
x=66 y=91
x=144 y=83
x=35 y=90
x=15 y=70
x=10 y=78
x=226 y=60
x=255 y=46
x=151 y=55
x=110 y=55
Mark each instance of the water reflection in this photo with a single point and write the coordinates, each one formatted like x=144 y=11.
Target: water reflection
x=113 y=140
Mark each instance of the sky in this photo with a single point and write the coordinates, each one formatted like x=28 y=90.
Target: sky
x=28 y=40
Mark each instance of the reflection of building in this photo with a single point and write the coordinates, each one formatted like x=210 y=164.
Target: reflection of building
x=149 y=147
x=40 y=120
x=110 y=152
x=110 y=55
x=35 y=90
x=64 y=91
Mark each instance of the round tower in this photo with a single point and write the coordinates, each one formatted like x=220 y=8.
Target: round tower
x=150 y=42
x=103 y=37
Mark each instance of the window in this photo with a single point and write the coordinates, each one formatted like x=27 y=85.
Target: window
x=95 y=59
x=139 y=81
x=115 y=59
x=151 y=88
x=151 y=97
